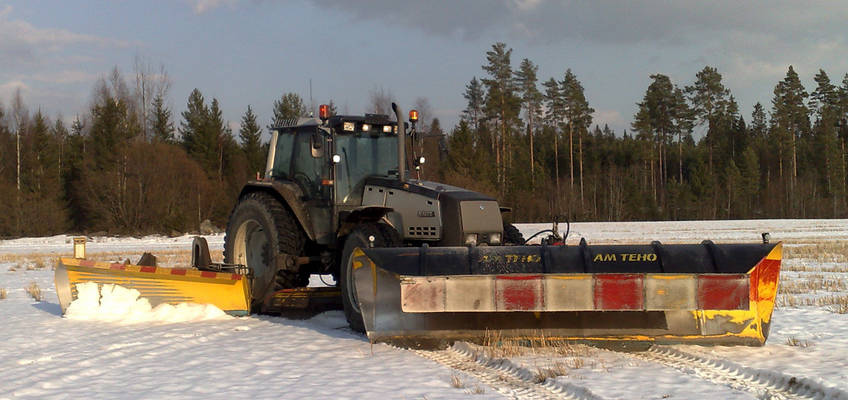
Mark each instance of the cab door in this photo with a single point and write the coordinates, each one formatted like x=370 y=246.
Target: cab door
x=310 y=170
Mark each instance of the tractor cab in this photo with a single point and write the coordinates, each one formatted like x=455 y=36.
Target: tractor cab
x=330 y=158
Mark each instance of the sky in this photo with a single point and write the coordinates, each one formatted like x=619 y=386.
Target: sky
x=250 y=52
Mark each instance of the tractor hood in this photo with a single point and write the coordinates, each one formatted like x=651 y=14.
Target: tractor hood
x=460 y=213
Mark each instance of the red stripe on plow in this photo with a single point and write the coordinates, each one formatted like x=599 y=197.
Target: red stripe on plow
x=519 y=293
x=723 y=292
x=619 y=292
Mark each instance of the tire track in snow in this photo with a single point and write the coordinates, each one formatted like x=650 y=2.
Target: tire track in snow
x=505 y=377
x=765 y=384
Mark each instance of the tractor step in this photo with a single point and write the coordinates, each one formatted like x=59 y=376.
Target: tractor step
x=303 y=303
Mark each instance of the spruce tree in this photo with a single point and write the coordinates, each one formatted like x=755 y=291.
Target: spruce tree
x=475 y=98
x=199 y=141
x=161 y=122
x=251 y=144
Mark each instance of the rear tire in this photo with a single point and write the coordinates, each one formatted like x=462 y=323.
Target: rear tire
x=259 y=229
x=384 y=236
x=512 y=236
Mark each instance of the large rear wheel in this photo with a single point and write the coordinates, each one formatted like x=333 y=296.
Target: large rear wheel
x=259 y=230
x=511 y=235
x=361 y=236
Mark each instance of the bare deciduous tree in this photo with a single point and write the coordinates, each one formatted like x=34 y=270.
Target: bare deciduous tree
x=381 y=100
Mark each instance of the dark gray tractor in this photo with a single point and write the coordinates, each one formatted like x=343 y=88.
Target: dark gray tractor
x=336 y=183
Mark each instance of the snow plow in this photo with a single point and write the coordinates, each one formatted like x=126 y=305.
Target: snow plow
x=705 y=294
x=420 y=262
x=227 y=288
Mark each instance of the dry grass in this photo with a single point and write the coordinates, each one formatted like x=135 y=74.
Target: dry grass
x=477 y=389
x=814 y=268
x=812 y=284
x=497 y=346
x=821 y=251
x=836 y=304
x=456 y=381
x=557 y=369
x=3 y=294
x=34 y=291
x=793 y=341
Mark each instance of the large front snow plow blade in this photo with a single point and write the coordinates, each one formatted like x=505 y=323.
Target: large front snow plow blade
x=227 y=291
x=706 y=293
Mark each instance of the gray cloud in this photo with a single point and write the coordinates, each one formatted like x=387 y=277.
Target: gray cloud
x=610 y=22
x=203 y=6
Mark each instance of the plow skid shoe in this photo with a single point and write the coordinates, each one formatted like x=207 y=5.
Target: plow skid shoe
x=227 y=291
x=706 y=293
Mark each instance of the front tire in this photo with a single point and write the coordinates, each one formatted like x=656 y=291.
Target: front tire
x=384 y=236
x=259 y=229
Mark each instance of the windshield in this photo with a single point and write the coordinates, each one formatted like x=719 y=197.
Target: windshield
x=362 y=156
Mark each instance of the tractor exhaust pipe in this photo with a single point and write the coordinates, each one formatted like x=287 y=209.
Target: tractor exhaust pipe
x=401 y=143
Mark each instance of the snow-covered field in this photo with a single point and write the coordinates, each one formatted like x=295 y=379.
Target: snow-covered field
x=195 y=353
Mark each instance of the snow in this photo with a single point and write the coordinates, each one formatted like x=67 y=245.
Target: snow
x=115 y=303
x=112 y=344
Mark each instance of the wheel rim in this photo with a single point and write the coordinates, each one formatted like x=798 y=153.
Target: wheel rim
x=351 y=290
x=251 y=241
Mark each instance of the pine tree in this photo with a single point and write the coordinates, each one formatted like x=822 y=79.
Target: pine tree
x=655 y=121
x=502 y=105
x=288 y=108
x=554 y=116
x=791 y=115
x=250 y=135
x=578 y=116
x=825 y=98
x=708 y=97
x=531 y=100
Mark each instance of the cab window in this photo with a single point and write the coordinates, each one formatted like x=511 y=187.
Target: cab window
x=306 y=169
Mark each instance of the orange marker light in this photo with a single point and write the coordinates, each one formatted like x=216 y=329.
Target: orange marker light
x=324 y=111
x=413 y=115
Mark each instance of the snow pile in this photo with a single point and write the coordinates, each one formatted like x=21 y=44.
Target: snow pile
x=116 y=303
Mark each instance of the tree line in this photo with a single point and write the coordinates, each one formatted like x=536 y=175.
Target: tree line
x=532 y=144
x=129 y=165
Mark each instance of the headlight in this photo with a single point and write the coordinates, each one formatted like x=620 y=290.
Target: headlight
x=366 y=127
x=495 y=238
x=471 y=239
x=387 y=129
